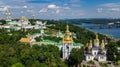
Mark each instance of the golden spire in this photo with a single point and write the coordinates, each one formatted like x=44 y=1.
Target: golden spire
x=96 y=40
x=90 y=43
x=67 y=38
x=89 y=47
x=96 y=36
x=102 y=45
x=86 y=45
x=67 y=30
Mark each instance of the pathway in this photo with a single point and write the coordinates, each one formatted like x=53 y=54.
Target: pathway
x=96 y=63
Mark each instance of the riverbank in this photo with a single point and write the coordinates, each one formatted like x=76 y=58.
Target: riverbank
x=107 y=35
x=112 y=33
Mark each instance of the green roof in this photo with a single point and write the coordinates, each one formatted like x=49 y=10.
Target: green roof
x=58 y=44
x=74 y=44
x=49 y=42
x=7 y=21
x=13 y=27
x=77 y=44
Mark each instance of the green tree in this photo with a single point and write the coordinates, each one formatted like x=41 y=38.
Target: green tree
x=111 y=50
x=118 y=42
x=76 y=56
x=17 y=65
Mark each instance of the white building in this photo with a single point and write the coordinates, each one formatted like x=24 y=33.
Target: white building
x=95 y=51
x=41 y=24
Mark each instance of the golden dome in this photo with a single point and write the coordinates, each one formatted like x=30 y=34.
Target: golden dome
x=102 y=46
x=67 y=30
x=91 y=42
x=87 y=45
x=23 y=18
x=67 y=38
x=96 y=40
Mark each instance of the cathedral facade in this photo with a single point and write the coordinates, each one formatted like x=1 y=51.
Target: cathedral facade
x=95 y=50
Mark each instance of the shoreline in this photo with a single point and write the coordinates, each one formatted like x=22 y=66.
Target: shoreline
x=107 y=35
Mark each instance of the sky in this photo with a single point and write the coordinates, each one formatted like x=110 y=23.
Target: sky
x=61 y=9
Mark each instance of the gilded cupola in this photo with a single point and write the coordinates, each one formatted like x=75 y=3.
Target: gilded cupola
x=96 y=39
x=102 y=46
x=67 y=38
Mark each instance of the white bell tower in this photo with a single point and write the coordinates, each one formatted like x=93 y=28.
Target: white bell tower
x=67 y=44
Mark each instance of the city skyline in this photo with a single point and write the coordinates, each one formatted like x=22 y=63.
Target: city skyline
x=61 y=9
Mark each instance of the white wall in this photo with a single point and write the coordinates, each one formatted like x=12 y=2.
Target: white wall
x=95 y=51
x=89 y=58
x=101 y=58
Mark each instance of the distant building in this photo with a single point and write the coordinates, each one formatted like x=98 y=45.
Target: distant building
x=95 y=51
x=27 y=40
x=60 y=34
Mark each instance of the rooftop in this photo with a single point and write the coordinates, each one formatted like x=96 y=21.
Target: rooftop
x=25 y=40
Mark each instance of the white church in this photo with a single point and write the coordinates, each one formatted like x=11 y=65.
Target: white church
x=95 y=51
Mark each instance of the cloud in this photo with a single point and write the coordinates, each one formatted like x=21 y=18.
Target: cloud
x=99 y=10
x=115 y=9
x=21 y=11
x=14 y=7
x=25 y=6
x=4 y=8
x=58 y=11
x=30 y=11
x=1 y=3
x=52 y=6
x=110 y=5
x=43 y=10
x=1 y=9
x=67 y=8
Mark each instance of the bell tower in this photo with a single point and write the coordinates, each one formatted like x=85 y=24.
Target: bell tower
x=67 y=44
x=8 y=17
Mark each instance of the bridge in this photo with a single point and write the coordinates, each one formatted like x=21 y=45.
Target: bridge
x=108 y=25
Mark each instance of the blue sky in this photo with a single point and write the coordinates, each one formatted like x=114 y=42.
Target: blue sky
x=61 y=9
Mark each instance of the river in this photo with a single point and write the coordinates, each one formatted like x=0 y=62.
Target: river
x=112 y=32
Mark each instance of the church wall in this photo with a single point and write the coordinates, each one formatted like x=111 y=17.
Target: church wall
x=94 y=52
x=89 y=58
x=102 y=58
